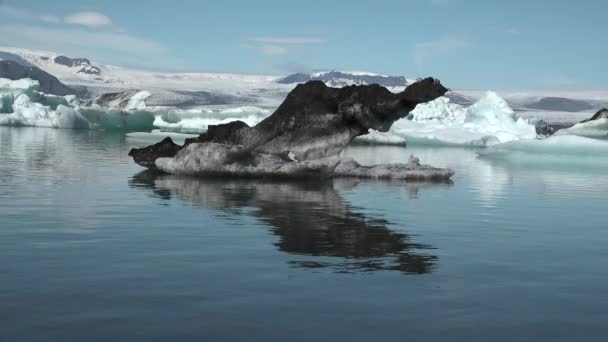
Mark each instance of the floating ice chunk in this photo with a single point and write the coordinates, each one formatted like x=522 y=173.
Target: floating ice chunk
x=66 y=117
x=439 y=110
x=158 y=135
x=28 y=113
x=380 y=138
x=246 y=110
x=138 y=101
x=592 y=129
x=10 y=90
x=71 y=100
x=569 y=150
x=490 y=109
x=118 y=120
x=194 y=124
x=198 y=120
x=488 y=122
x=21 y=84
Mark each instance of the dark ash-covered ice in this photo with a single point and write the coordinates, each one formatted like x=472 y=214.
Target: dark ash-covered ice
x=302 y=138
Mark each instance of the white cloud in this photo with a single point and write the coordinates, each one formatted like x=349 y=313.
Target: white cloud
x=438 y=47
x=50 y=19
x=276 y=46
x=89 y=19
x=288 y=40
x=273 y=50
x=75 y=38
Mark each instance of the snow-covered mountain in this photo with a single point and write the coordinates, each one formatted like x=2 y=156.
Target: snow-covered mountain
x=48 y=83
x=187 y=90
x=167 y=88
x=338 y=79
x=82 y=65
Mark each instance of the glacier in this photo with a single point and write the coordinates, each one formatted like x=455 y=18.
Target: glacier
x=487 y=122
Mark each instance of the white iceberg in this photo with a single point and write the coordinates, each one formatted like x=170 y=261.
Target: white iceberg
x=488 y=122
x=592 y=129
x=565 y=145
x=440 y=110
x=10 y=90
x=28 y=113
x=23 y=84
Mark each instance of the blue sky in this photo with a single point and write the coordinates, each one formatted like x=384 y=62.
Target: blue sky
x=502 y=45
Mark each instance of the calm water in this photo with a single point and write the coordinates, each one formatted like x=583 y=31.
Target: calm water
x=92 y=249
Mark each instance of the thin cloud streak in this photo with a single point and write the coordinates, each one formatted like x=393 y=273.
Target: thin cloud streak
x=89 y=19
x=288 y=40
x=95 y=20
x=19 y=35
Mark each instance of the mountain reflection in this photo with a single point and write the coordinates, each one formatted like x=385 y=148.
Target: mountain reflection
x=309 y=219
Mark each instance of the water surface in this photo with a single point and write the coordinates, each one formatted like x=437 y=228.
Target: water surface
x=92 y=248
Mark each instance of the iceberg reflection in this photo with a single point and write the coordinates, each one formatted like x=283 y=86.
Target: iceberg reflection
x=309 y=219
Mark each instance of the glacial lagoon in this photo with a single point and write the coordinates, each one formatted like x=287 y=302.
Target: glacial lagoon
x=95 y=248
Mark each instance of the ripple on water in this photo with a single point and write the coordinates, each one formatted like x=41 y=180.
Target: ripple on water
x=86 y=239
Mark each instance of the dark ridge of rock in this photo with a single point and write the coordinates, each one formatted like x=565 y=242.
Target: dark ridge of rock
x=71 y=62
x=91 y=70
x=49 y=84
x=312 y=126
x=118 y=100
x=601 y=114
x=341 y=79
x=7 y=56
x=295 y=78
x=84 y=63
x=560 y=104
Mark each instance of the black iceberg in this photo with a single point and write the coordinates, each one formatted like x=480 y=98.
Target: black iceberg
x=303 y=137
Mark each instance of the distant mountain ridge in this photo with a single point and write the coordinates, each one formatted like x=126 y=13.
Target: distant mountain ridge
x=48 y=83
x=83 y=64
x=180 y=89
x=340 y=79
x=561 y=104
